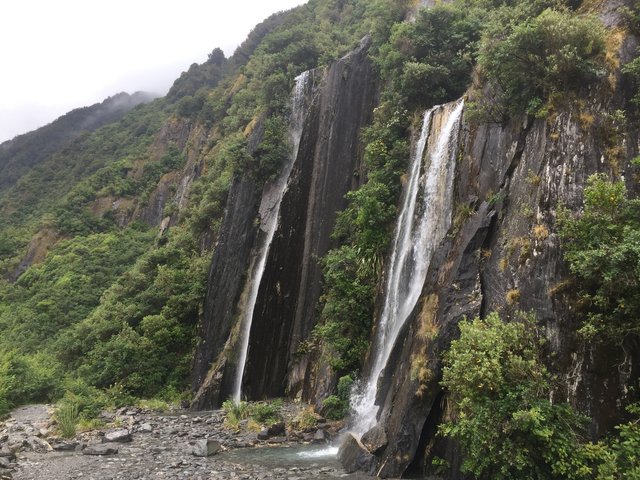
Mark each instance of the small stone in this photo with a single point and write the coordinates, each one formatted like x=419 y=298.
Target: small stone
x=206 y=448
x=38 y=445
x=120 y=435
x=65 y=446
x=6 y=452
x=100 y=449
x=277 y=440
x=4 y=462
x=145 y=428
x=319 y=437
x=277 y=429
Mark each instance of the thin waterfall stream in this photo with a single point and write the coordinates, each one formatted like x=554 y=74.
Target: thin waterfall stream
x=422 y=224
x=269 y=213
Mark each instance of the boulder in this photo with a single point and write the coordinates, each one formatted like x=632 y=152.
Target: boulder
x=145 y=428
x=276 y=430
x=6 y=452
x=277 y=440
x=38 y=445
x=206 y=448
x=375 y=439
x=319 y=437
x=100 y=449
x=119 y=435
x=4 y=463
x=355 y=457
x=263 y=434
x=64 y=445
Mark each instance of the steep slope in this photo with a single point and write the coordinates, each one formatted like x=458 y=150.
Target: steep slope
x=230 y=209
x=504 y=254
x=151 y=192
x=23 y=152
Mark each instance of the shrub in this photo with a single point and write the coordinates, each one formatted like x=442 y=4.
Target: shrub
x=430 y=60
x=260 y=412
x=555 y=53
x=266 y=412
x=632 y=72
x=602 y=247
x=67 y=416
x=336 y=406
x=503 y=418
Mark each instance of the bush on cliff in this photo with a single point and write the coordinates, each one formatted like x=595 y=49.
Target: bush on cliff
x=542 y=59
x=503 y=418
x=602 y=247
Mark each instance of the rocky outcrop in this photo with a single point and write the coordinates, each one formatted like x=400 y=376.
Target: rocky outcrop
x=505 y=257
x=326 y=167
x=224 y=286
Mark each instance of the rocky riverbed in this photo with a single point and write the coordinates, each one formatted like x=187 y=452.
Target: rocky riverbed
x=142 y=444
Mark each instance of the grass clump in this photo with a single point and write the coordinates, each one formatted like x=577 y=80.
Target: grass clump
x=67 y=416
x=259 y=412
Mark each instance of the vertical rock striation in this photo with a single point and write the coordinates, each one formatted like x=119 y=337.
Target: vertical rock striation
x=341 y=101
x=504 y=257
x=326 y=169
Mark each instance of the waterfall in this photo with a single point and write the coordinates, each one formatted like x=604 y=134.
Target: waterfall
x=269 y=212
x=423 y=222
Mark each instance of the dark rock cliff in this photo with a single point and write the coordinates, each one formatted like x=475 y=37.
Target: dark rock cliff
x=325 y=169
x=506 y=257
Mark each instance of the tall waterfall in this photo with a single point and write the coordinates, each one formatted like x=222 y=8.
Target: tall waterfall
x=422 y=224
x=269 y=212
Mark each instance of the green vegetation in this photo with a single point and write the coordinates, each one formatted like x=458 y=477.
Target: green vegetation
x=537 y=63
x=530 y=55
x=632 y=71
x=352 y=271
x=108 y=313
x=602 y=247
x=109 y=309
x=336 y=407
x=429 y=61
x=67 y=417
x=264 y=413
x=504 y=420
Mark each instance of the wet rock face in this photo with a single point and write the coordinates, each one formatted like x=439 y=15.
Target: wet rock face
x=225 y=282
x=355 y=457
x=326 y=168
x=505 y=257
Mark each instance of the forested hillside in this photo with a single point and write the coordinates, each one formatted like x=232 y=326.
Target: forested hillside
x=129 y=252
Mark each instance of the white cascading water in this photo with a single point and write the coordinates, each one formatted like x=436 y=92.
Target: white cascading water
x=269 y=213
x=422 y=224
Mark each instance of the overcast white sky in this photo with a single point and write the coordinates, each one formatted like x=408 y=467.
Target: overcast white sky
x=57 y=55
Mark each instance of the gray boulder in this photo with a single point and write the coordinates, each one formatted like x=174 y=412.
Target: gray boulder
x=100 y=449
x=206 y=448
x=355 y=457
x=375 y=439
x=319 y=437
x=120 y=435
